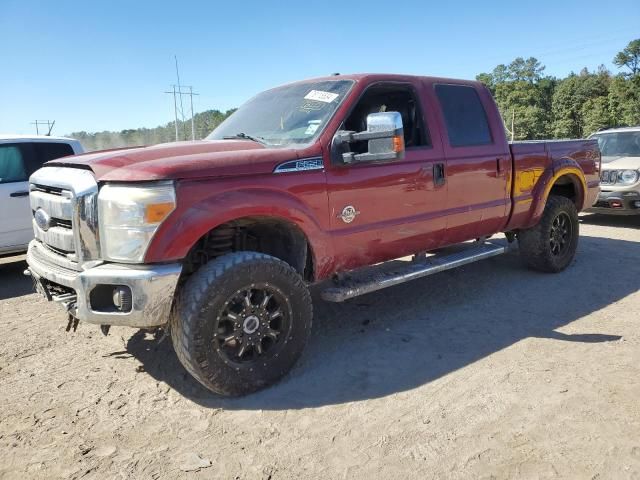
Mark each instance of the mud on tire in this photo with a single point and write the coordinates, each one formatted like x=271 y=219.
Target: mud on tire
x=241 y=322
x=551 y=245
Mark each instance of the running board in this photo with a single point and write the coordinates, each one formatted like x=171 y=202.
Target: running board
x=392 y=273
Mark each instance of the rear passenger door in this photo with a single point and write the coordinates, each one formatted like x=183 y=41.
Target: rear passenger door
x=478 y=162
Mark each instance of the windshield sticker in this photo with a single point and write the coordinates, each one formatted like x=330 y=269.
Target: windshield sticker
x=313 y=126
x=312 y=106
x=321 y=96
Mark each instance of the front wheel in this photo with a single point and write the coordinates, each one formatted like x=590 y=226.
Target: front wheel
x=551 y=244
x=241 y=322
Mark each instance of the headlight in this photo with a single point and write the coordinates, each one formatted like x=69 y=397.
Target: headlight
x=129 y=216
x=627 y=177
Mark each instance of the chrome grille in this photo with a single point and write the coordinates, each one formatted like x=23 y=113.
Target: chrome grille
x=64 y=207
x=56 y=203
x=58 y=206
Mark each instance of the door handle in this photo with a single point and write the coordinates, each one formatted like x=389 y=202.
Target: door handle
x=19 y=194
x=438 y=174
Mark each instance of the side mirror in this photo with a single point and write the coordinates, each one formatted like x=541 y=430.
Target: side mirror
x=385 y=136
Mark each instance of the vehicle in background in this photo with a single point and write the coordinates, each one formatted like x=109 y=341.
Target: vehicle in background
x=620 y=174
x=326 y=179
x=20 y=156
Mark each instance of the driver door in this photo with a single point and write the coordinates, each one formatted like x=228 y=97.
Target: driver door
x=387 y=209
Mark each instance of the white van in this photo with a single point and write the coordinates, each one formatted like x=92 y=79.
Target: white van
x=20 y=156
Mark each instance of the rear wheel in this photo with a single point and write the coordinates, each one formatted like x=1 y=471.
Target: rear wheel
x=241 y=322
x=551 y=245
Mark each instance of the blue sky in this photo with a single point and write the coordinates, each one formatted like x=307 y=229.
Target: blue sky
x=104 y=65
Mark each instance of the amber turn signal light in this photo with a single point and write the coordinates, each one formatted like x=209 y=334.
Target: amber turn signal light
x=156 y=212
x=398 y=144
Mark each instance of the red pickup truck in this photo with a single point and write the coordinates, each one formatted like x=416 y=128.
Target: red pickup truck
x=324 y=179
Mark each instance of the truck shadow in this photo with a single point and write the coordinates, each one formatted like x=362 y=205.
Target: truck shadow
x=632 y=221
x=399 y=339
x=12 y=282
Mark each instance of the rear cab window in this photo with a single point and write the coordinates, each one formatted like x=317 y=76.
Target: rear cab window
x=50 y=151
x=465 y=117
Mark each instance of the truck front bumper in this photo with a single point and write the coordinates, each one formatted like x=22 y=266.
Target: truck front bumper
x=617 y=203
x=88 y=295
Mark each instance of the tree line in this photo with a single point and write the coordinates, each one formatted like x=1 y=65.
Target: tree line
x=204 y=123
x=536 y=106
x=533 y=105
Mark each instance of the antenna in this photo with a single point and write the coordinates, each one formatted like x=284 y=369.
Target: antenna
x=177 y=91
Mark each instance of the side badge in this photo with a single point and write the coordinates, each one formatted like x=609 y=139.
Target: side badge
x=348 y=214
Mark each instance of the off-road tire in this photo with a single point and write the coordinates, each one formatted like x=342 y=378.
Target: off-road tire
x=536 y=248
x=204 y=297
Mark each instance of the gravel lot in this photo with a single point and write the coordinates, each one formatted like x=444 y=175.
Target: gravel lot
x=489 y=371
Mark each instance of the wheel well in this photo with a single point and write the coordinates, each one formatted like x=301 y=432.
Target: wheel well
x=568 y=186
x=273 y=236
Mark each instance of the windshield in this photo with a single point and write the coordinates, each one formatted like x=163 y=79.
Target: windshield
x=293 y=114
x=620 y=144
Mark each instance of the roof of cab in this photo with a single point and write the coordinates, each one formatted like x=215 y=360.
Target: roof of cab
x=33 y=138
x=391 y=77
x=618 y=129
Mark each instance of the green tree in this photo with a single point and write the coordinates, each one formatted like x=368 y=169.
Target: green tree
x=624 y=101
x=629 y=57
x=574 y=99
x=522 y=95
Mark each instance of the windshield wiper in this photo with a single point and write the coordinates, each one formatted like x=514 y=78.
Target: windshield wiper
x=244 y=136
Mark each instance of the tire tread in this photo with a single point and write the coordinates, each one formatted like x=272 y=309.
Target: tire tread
x=189 y=305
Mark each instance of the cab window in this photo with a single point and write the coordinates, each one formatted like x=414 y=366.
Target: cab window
x=12 y=164
x=464 y=115
x=50 y=151
x=389 y=98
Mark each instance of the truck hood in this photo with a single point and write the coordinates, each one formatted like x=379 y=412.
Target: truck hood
x=173 y=161
x=620 y=163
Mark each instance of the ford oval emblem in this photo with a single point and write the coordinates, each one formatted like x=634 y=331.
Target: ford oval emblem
x=43 y=220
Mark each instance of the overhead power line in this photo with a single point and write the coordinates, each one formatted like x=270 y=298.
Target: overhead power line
x=179 y=91
x=48 y=123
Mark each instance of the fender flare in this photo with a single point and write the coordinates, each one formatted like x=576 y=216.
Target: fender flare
x=180 y=232
x=565 y=167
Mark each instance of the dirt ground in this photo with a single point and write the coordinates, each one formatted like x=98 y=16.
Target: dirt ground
x=488 y=371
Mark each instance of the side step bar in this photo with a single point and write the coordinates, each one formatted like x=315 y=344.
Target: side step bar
x=381 y=276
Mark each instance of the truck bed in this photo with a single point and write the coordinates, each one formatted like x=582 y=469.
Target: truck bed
x=535 y=164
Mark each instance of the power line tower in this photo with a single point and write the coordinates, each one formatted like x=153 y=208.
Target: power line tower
x=48 y=123
x=179 y=91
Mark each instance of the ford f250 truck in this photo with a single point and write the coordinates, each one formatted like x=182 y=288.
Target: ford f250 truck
x=325 y=179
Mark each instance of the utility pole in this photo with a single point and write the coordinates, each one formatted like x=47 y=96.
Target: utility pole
x=193 y=125
x=511 y=132
x=49 y=124
x=178 y=92
x=175 y=110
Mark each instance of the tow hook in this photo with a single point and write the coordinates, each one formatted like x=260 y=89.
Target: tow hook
x=68 y=301
x=72 y=323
